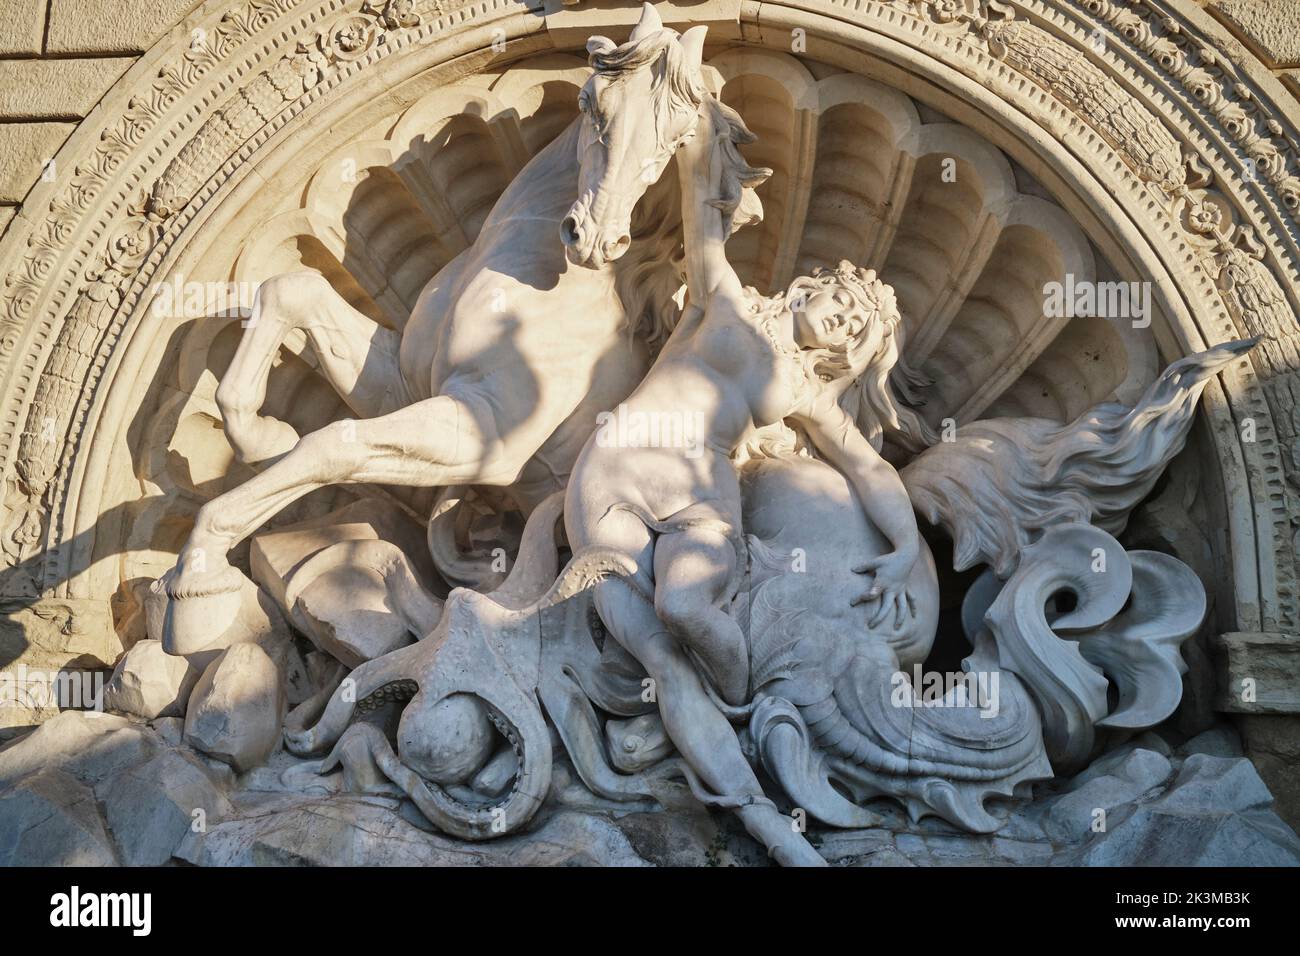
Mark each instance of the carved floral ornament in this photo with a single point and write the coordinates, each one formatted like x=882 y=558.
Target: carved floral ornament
x=57 y=333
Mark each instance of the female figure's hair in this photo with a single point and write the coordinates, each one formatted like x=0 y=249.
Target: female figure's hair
x=882 y=379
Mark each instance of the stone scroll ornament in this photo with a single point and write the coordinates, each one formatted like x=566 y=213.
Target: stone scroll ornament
x=491 y=680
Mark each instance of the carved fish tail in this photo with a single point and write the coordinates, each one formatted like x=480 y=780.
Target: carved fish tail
x=1001 y=482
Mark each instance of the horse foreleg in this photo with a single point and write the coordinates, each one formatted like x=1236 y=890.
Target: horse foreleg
x=356 y=355
x=438 y=441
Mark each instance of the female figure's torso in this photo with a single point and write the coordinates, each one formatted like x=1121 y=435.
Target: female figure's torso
x=716 y=380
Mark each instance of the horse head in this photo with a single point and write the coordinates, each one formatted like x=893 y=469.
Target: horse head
x=641 y=103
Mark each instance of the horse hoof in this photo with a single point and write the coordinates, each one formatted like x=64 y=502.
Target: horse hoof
x=201 y=608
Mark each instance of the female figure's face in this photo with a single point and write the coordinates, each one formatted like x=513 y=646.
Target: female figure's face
x=826 y=318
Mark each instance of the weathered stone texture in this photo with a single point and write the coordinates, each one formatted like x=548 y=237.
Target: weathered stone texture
x=1270 y=27
x=98 y=789
x=148 y=682
x=51 y=819
x=151 y=808
x=237 y=708
x=56 y=89
x=24 y=150
x=119 y=26
x=41 y=640
x=1273 y=744
x=1258 y=673
x=22 y=27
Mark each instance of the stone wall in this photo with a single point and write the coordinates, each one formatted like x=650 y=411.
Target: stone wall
x=57 y=58
x=1270 y=29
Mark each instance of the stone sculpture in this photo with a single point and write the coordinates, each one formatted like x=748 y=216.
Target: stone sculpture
x=509 y=355
x=751 y=598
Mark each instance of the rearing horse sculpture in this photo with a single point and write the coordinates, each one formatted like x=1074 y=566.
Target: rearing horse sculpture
x=512 y=350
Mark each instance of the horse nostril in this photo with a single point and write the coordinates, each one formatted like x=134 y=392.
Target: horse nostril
x=569 y=234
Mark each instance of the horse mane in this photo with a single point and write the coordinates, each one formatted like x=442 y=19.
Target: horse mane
x=677 y=87
x=736 y=199
x=649 y=277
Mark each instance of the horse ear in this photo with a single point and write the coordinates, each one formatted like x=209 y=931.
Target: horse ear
x=693 y=45
x=650 y=23
x=600 y=45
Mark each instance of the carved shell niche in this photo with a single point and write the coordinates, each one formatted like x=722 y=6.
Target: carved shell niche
x=861 y=171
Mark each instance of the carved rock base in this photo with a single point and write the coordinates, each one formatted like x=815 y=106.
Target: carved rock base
x=1201 y=804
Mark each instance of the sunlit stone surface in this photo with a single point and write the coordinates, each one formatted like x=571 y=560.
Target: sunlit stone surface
x=693 y=449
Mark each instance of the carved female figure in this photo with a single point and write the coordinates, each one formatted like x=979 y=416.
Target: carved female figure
x=737 y=363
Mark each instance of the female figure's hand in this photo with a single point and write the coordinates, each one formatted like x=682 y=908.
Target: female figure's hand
x=889 y=584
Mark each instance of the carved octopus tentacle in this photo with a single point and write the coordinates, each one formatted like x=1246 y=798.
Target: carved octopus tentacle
x=535 y=566
x=367 y=687
x=457 y=569
x=514 y=711
x=569 y=707
x=312 y=708
x=531 y=743
x=592 y=564
x=585 y=569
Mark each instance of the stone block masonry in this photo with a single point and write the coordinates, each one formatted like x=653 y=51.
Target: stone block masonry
x=57 y=59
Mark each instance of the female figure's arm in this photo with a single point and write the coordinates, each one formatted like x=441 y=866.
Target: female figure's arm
x=883 y=497
x=717 y=197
